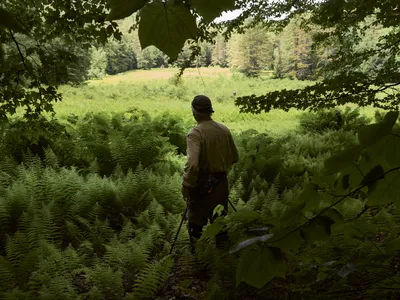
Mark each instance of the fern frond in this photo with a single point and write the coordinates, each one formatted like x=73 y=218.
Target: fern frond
x=50 y=159
x=58 y=288
x=42 y=226
x=16 y=294
x=186 y=265
x=17 y=247
x=151 y=278
x=6 y=274
x=108 y=282
x=131 y=255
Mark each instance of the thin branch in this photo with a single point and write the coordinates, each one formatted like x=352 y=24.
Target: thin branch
x=372 y=242
x=358 y=168
x=21 y=55
x=366 y=207
x=334 y=204
x=24 y=63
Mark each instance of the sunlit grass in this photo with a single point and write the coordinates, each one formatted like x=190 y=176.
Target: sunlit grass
x=156 y=92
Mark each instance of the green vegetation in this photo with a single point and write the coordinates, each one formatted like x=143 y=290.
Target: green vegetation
x=90 y=201
x=90 y=204
x=156 y=96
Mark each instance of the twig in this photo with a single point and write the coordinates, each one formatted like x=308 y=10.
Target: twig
x=372 y=242
x=334 y=204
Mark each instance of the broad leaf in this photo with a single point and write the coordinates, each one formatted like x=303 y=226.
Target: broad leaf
x=213 y=229
x=336 y=163
x=218 y=210
x=244 y=215
x=258 y=266
x=292 y=213
x=1 y=56
x=371 y=134
x=335 y=215
x=373 y=175
x=393 y=245
x=8 y=21
x=386 y=152
x=124 y=8
x=286 y=240
x=319 y=229
x=390 y=118
x=385 y=190
x=310 y=196
x=166 y=26
x=211 y=9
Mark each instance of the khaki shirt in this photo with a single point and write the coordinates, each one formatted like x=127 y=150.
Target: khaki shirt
x=210 y=146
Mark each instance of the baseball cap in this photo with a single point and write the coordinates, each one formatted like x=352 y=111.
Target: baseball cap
x=202 y=104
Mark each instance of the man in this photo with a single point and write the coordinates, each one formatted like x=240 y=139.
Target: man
x=211 y=152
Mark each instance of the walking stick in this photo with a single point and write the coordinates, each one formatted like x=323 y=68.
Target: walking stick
x=232 y=205
x=180 y=226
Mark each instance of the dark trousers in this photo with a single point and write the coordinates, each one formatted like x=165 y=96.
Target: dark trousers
x=200 y=209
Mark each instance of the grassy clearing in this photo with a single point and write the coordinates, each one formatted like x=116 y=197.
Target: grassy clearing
x=155 y=92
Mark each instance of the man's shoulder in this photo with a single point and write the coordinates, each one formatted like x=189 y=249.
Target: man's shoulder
x=223 y=127
x=194 y=131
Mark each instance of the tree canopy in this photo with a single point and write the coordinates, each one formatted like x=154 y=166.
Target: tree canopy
x=37 y=40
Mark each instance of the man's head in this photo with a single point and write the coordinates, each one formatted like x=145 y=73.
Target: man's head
x=202 y=108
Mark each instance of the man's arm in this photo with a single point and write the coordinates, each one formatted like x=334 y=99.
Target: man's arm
x=234 y=151
x=193 y=154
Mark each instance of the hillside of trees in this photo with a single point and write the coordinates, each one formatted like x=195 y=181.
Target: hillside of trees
x=285 y=54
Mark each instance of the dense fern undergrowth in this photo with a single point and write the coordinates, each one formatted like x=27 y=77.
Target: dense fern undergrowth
x=89 y=208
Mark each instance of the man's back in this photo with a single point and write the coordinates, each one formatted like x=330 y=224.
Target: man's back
x=210 y=148
x=211 y=152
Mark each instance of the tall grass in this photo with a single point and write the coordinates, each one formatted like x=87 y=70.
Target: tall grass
x=160 y=93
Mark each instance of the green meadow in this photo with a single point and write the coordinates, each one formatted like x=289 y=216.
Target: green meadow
x=158 y=92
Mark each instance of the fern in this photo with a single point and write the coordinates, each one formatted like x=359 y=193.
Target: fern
x=6 y=274
x=58 y=288
x=42 y=226
x=51 y=159
x=17 y=247
x=151 y=279
x=131 y=256
x=17 y=294
x=106 y=281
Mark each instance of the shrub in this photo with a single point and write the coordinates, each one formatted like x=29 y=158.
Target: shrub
x=334 y=119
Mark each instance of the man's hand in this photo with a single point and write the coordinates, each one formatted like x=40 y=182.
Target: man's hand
x=185 y=192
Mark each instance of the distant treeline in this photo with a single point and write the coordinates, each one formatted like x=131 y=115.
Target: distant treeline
x=287 y=54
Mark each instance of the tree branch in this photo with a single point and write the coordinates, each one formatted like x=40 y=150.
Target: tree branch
x=331 y=206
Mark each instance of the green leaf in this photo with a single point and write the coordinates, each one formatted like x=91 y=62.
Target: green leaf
x=213 y=229
x=386 y=152
x=390 y=118
x=385 y=190
x=257 y=266
x=335 y=215
x=393 y=245
x=124 y=8
x=292 y=214
x=211 y=9
x=1 y=55
x=218 y=210
x=374 y=174
x=310 y=196
x=319 y=229
x=244 y=215
x=371 y=134
x=292 y=241
x=343 y=160
x=166 y=26
x=8 y=21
